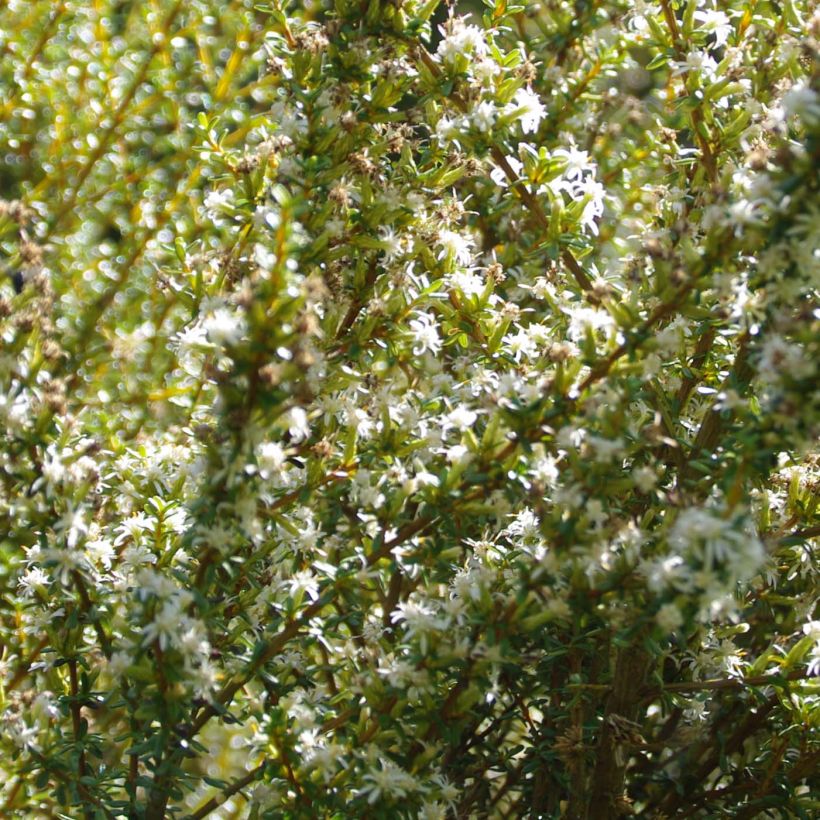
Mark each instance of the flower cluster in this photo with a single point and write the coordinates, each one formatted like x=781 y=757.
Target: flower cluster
x=409 y=409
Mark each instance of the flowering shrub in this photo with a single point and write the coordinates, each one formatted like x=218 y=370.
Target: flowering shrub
x=409 y=413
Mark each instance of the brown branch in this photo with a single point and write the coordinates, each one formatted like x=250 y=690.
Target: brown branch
x=25 y=666
x=358 y=303
x=632 y=665
x=711 y=428
x=702 y=348
x=713 y=684
x=802 y=535
x=215 y=802
x=734 y=683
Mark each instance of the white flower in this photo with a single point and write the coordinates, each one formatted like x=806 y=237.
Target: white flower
x=265 y=217
x=119 y=662
x=462 y=418
x=264 y=258
x=224 y=327
x=812 y=630
x=393 y=243
x=447 y=128
x=483 y=116
x=520 y=345
x=779 y=358
x=594 y=207
x=717 y=541
x=717 y=23
x=360 y=420
x=595 y=512
x=744 y=212
x=468 y=282
x=461 y=40
x=606 y=450
x=304 y=581
x=425 y=334
x=386 y=782
x=418 y=618
x=270 y=457
x=669 y=618
x=457 y=454
x=695 y=61
x=456 y=245
x=582 y=318
x=645 y=478
x=100 y=551
x=132 y=528
x=217 y=203
x=33 y=580
x=543 y=288
x=803 y=102
x=530 y=109
x=298 y=425
x=485 y=69
x=166 y=626
x=578 y=162
x=669 y=571
x=545 y=470
x=73 y=523
x=525 y=526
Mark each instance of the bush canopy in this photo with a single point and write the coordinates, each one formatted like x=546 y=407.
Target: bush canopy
x=409 y=410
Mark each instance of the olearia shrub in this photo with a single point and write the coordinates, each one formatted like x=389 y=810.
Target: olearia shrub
x=409 y=410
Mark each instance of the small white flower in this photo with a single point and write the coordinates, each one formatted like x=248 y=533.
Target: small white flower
x=578 y=162
x=696 y=61
x=803 y=102
x=779 y=358
x=118 y=663
x=425 y=334
x=393 y=243
x=298 y=425
x=483 y=116
x=531 y=109
x=166 y=626
x=417 y=618
x=457 y=454
x=456 y=245
x=811 y=629
x=132 y=528
x=669 y=618
x=218 y=202
x=73 y=523
x=645 y=478
x=270 y=457
x=526 y=526
x=461 y=419
x=33 y=580
x=717 y=23
x=303 y=581
x=224 y=327
x=461 y=40
x=388 y=781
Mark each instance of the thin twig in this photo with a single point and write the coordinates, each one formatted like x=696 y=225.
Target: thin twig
x=215 y=802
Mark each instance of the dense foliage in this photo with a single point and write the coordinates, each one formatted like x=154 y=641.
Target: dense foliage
x=407 y=413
